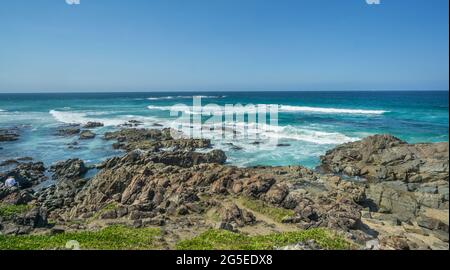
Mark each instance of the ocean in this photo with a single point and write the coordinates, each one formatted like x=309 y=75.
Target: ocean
x=309 y=123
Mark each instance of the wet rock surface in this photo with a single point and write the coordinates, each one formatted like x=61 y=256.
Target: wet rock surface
x=9 y=135
x=90 y=125
x=87 y=135
x=68 y=131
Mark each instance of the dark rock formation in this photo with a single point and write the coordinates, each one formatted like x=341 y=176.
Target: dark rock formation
x=87 y=135
x=90 y=125
x=69 y=169
x=68 y=131
x=9 y=135
x=24 y=223
x=26 y=174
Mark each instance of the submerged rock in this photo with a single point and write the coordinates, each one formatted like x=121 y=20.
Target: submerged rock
x=9 y=135
x=90 y=125
x=68 y=131
x=87 y=135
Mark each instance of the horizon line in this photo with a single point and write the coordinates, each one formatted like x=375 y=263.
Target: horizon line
x=213 y=91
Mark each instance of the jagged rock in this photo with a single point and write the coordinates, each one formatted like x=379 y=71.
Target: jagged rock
x=26 y=174
x=9 y=162
x=153 y=139
x=394 y=242
x=386 y=158
x=152 y=186
x=61 y=195
x=90 y=125
x=189 y=159
x=276 y=194
x=69 y=131
x=132 y=123
x=15 y=196
x=25 y=223
x=69 y=169
x=226 y=226
x=234 y=215
x=9 y=135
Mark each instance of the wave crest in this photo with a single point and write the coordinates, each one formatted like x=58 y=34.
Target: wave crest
x=183 y=97
x=281 y=108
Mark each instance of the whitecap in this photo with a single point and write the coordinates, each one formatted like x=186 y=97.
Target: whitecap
x=288 y=108
x=244 y=131
x=70 y=117
x=184 y=97
x=281 y=108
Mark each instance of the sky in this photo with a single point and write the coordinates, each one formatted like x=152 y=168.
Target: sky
x=223 y=45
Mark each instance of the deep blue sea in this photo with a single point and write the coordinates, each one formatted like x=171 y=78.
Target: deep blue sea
x=309 y=123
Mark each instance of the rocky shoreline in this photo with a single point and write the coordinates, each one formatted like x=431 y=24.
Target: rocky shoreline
x=377 y=193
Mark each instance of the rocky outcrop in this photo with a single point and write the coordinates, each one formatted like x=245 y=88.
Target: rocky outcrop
x=59 y=198
x=87 y=135
x=91 y=125
x=403 y=180
x=9 y=135
x=369 y=191
x=233 y=216
x=69 y=169
x=26 y=174
x=25 y=223
x=153 y=140
x=402 y=177
x=68 y=131
x=382 y=158
x=132 y=123
x=15 y=196
x=158 y=185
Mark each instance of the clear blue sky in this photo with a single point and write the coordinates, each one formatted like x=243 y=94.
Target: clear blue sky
x=163 y=45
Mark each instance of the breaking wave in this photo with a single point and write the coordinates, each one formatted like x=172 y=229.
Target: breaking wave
x=83 y=118
x=183 y=97
x=281 y=108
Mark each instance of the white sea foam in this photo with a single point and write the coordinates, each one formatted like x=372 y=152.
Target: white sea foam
x=288 y=108
x=245 y=132
x=183 y=97
x=281 y=108
x=2 y=110
x=70 y=117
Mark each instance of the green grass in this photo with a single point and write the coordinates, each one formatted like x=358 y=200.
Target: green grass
x=275 y=213
x=8 y=211
x=110 y=238
x=225 y=240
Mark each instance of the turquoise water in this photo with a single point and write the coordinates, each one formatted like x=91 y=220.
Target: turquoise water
x=309 y=123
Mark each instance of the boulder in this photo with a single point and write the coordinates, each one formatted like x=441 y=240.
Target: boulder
x=69 y=169
x=68 y=131
x=87 y=135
